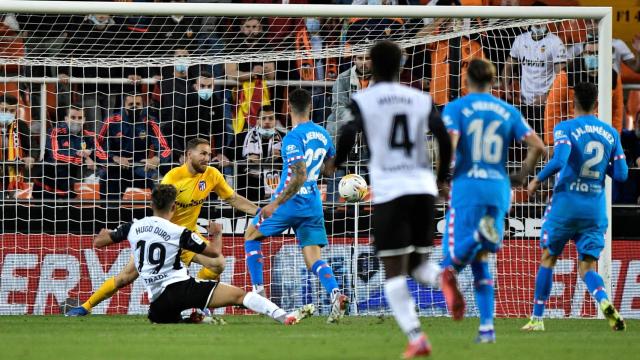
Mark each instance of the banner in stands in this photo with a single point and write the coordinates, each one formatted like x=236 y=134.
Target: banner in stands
x=40 y=274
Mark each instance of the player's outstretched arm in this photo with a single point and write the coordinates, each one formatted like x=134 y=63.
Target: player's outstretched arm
x=535 y=148
x=192 y=241
x=618 y=168
x=298 y=177
x=243 y=204
x=102 y=239
x=107 y=237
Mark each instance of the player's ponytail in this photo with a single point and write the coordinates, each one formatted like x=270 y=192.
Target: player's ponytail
x=481 y=72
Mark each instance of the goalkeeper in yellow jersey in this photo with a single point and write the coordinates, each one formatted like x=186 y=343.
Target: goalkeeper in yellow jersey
x=194 y=181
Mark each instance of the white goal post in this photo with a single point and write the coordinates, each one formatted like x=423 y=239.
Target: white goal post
x=602 y=15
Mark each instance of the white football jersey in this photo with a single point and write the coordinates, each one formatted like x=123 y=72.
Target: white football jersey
x=156 y=244
x=395 y=123
x=537 y=60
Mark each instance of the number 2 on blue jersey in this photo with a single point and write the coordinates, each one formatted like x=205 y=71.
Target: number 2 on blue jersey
x=313 y=161
x=596 y=149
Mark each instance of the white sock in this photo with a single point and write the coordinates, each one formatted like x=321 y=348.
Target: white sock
x=428 y=273
x=403 y=306
x=258 y=288
x=259 y=304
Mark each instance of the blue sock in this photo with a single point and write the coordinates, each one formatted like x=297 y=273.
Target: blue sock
x=325 y=274
x=464 y=251
x=484 y=293
x=254 y=261
x=595 y=284
x=544 y=282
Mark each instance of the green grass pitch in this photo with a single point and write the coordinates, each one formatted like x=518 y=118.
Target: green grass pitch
x=259 y=338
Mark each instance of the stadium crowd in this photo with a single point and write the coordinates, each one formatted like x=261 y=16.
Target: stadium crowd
x=127 y=135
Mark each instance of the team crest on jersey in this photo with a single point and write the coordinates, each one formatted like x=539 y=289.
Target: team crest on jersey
x=558 y=134
x=202 y=185
x=543 y=49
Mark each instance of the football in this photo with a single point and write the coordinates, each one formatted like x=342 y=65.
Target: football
x=353 y=188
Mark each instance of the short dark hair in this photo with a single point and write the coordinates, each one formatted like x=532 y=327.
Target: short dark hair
x=481 y=72
x=163 y=196
x=8 y=99
x=193 y=143
x=299 y=100
x=385 y=60
x=205 y=73
x=266 y=108
x=586 y=94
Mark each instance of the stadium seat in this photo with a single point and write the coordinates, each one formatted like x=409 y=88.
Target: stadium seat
x=87 y=191
x=24 y=191
x=136 y=194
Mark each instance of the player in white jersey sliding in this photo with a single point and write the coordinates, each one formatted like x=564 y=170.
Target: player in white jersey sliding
x=156 y=244
x=395 y=120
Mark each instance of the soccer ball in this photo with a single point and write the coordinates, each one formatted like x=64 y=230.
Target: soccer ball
x=353 y=188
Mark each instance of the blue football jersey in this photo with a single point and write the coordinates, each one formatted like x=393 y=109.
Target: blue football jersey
x=311 y=144
x=585 y=147
x=486 y=126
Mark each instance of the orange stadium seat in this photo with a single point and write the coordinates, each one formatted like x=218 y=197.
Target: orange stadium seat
x=136 y=194
x=87 y=191
x=24 y=191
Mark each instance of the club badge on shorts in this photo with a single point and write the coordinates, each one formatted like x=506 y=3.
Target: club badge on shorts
x=202 y=185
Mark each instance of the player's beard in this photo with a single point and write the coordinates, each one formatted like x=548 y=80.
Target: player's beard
x=198 y=167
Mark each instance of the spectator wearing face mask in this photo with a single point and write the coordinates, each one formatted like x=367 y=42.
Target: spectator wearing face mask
x=71 y=155
x=205 y=116
x=135 y=146
x=257 y=153
x=540 y=55
x=559 y=102
x=174 y=88
x=16 y=153
x=309 y=40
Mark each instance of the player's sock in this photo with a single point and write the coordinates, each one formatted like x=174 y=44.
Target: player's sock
x=207 y=274
x=253 y=252
x=595 y=284
x=325 y=274
x=465 y=250
x=544 y=282
x=403 y=306
x=105 y=291
x=261 y=305
x=484 y=293
x=428 y=273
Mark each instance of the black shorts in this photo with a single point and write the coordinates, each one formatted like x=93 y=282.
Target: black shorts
x=404 y=225
x=180 y=296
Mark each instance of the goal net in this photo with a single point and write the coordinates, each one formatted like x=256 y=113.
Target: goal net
x=103 y=106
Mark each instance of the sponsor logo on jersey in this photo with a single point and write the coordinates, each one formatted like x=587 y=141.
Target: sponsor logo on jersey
x=202 y=185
